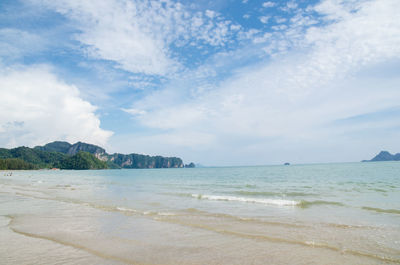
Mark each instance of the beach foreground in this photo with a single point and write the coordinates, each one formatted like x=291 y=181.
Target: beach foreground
x=306 y=214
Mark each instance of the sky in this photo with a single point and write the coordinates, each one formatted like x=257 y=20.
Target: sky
x=216 y=82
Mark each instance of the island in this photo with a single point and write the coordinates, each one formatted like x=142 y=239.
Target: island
x=63 y=155
x=191 y=165
x=384 y=156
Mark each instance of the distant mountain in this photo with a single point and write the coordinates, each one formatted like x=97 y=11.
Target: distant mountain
x=57 y=146
x=384 y=156
x=79 y=156
x=71 y=149
x=36 y=158
x=115 y=160
x=190 y=165
x=142 y=161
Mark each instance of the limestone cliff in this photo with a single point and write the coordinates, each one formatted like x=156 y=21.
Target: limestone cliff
x=114 y=160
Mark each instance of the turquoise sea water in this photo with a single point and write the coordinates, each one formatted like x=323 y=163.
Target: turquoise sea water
x=324 y=213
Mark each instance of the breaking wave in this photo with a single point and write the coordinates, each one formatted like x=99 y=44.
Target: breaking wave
x=379 y=210
x=277 y=202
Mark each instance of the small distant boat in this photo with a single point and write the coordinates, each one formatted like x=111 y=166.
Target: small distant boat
x=287 y=164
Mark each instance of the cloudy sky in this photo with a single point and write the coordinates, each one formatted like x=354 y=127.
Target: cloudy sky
x=217 y=82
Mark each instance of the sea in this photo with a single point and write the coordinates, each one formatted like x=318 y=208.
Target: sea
x=344 y=213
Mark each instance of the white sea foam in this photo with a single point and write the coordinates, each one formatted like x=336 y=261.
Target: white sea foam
x=166 y=214
x=122 y=209
x=277 y=202
x=158 y=213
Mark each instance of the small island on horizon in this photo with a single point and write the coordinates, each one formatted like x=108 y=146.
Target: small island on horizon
x=384 y=156
x=80 y=156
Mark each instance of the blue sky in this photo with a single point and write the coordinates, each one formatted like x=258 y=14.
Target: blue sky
x=216 y=82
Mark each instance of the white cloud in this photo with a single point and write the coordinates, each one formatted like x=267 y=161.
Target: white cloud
x=264 y=19
x=134 y=111
x=36 y=107
x=339 y=9
x=268 y=4
x=210 y=13
x=250 y=34
x=198 y=140
x=293 y=101
x=291 y=5
x=138 y=35
x=112 y=31
x=263 y=38
x=16 y=43
x=280 y=20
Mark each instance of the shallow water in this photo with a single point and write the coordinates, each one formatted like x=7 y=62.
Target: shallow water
x=299 y=214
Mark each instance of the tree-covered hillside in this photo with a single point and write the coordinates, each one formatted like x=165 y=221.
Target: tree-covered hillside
x=34 y=158
x=41 y=159
x=145 y=161
x=114 y=160
x=80 y=155
x=82 y=160
x=71 y=149
x=57 y=146
x=15 y=163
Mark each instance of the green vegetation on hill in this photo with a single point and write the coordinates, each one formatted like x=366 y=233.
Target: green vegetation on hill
x=114 y=160
x=57 y=146
x=15 y=163
x=82 y=160
x=41 y=159
x=35 y=158
x=80 y=156
x=71 y=149
x=145 y=161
